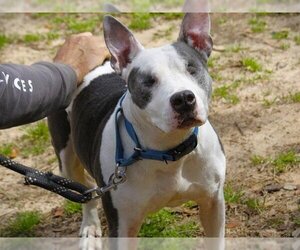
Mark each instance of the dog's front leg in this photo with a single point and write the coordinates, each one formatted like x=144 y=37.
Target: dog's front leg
x=212 y=216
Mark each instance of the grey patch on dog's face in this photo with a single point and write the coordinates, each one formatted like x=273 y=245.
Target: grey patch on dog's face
x=196 y=65
x=140 y=86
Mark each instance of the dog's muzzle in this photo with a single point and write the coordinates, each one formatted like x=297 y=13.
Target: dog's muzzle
x=183 y=102
x=184 y=105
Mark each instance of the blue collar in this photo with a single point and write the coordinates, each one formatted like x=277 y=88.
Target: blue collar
x=139 y=153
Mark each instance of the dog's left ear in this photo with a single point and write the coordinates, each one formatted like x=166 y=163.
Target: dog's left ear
x=195 y=31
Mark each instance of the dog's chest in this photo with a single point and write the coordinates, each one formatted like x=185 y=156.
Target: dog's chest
x=152 y=184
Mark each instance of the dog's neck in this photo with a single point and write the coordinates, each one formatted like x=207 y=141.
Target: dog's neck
x=150 y=136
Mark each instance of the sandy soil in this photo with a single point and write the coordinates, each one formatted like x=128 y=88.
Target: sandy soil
x=250 y=127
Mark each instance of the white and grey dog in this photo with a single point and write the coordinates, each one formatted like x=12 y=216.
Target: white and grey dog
x=167 y=92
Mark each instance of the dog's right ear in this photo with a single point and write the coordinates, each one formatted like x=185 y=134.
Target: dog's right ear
x=120 y=42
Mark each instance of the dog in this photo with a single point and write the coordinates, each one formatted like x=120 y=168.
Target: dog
x=163 y=94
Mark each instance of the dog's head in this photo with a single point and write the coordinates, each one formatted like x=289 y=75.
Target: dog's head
x=169 y=86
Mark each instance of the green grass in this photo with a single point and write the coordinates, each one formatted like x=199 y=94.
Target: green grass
x=72 y=207
x=258 y=160
x=190 y=204
x=254 y=204
x=257 y=25
x=285 y=160
x=268 y=103
x=140 y=21
x=6 y=149
x=297 y=221
x=38 y=37
x=280 y=35
x=145 y=5
x=275 y=222
x=231 y=195
x=172 y=16
x=280 y=162
x=297 y=40
x=22 y=225
x=235 y=48
x=3 y=40
x=36 y=139
x=77 y=24
x=284 y=46
x=31 y=38
x=211 y=62
x=167 y=224
x=166 y=34
x=251 y=64
x=226 y=92
x=295 y=98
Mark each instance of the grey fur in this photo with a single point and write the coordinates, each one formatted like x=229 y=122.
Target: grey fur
x=140 y=85
x=198 y=61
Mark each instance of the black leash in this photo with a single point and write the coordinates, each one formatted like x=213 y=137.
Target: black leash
x=66 y=188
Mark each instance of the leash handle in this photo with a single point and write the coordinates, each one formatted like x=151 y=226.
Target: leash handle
x=45 y=183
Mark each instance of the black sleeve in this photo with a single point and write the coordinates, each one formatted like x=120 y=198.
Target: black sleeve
x=29 y=93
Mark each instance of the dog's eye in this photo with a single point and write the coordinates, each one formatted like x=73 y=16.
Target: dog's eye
x=191 y=68
x=150 y=81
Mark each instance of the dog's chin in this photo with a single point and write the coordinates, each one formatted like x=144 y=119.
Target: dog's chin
x=189 y=121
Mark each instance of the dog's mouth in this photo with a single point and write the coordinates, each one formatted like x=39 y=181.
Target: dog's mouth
x=189 y=120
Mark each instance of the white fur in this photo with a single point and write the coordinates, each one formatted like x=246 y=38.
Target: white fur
x=172 y=78
x=150 y=184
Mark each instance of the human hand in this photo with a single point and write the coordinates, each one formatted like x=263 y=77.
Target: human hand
x=83 y=52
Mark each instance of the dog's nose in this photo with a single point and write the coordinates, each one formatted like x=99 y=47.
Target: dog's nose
x=183 y=101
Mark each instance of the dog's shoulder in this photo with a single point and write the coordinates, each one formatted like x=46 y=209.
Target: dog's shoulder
x=91 y=109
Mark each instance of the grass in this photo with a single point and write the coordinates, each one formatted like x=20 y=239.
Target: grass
x=76 y=24
x=280 y=162
x=30 y=38
x=232 y=196
x=72 y=207
x=167 y=224
x=284 y=46
x=284 y=160
x=22 y=225
x=251 y=64
x=172 y=16
x=3 y=40
x=190 y=204
x=268 y=103
x=295 y=98
x=258 y=160
x=7 y=149
x=36 y=139
x=166 y=34
x=235 y=48
x=254 y=204
x=257 y=25
x=297 y=221
x=275 y=222
x=140 y=21
x=280 y=35
x=226 y=92
x=297 y=40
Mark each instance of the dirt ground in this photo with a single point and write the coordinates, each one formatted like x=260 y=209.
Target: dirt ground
x=255 y=116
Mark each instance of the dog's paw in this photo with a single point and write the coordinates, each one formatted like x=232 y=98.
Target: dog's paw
x=90 y=238
x=90 y=232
